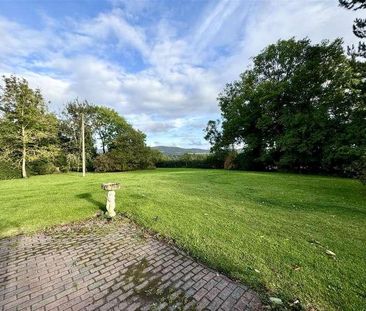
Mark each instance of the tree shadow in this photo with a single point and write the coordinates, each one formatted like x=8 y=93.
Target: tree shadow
x=87 y=196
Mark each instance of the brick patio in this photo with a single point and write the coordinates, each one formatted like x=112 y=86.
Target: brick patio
x=110 y=266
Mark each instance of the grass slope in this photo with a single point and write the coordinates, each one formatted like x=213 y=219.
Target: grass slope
x=269 y=230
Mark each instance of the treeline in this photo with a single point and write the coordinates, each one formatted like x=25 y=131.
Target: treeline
x=191 y=160
x=300 y=107
x=35 y=141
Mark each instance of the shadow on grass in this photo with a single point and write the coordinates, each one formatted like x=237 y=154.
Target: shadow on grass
x=87 y=196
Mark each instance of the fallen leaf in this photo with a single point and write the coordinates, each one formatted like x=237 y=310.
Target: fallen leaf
x=256 y=270
x=330 y=253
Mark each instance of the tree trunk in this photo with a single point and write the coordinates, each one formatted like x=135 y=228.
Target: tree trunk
x=24 y=171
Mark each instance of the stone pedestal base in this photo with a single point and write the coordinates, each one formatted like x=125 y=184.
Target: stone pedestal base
x=111 y=204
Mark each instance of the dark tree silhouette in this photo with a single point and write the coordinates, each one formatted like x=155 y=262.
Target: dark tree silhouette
x=359 y=26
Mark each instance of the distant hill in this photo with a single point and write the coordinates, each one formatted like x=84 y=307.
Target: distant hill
x=179 y=151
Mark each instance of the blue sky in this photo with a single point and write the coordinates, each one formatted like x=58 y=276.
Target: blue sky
x=160 y=64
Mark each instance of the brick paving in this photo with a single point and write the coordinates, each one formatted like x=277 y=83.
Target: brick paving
x=110 y=266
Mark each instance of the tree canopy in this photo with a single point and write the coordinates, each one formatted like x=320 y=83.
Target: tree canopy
x=107 y=124
x=27 y=131
x=300 y=107
x=34 y=141
x=70 y=134
x=122 y=146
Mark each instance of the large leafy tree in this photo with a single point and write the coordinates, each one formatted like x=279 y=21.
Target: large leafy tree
x=126 y=147
x=107 y=124
x=27 y=131
x=123 y=147
x=300 y=107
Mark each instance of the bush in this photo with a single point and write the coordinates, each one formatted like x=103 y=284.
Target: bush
x=176 y=163
x=117 y=161
x=216 y=160
x=42 y=167
x=8 y=171
x=106 y=163
x=194 y=161
x=358 y=170
x=247 y=161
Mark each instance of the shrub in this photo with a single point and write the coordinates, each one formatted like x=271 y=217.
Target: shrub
x=42 y=167
x=106 y=163
x=8 y=171
x=248 y=162
x=358 y=169
x=175 y=163
x=194 y=161
x=216 y=160
x=118 y=161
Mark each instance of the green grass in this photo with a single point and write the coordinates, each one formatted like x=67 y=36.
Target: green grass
x=257 y=227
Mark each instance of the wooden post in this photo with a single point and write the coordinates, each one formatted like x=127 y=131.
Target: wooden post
x=83 y=142
x=24 y=171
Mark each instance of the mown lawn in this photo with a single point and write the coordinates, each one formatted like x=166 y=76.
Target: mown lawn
x=269 y=230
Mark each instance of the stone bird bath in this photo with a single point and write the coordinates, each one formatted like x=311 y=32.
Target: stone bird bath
x=111 y=197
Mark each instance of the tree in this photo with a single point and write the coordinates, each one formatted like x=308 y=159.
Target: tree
x=28 y=131
x=359 y=25
x=301 y=107
x=213 y=134
x=123 y=147
x=107 y=124
x=128 y=151
x=71 y=135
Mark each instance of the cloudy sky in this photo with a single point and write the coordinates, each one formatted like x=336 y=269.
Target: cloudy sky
x=159 y=63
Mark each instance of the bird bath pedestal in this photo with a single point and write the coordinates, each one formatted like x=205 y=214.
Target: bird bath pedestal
x=111 y=197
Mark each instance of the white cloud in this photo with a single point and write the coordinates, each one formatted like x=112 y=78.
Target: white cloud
x=172 y=94
x=317 y=20
x=114 y=24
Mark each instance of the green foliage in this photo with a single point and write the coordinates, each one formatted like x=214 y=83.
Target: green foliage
x=8 y=171
x=301 y=107
x=28 y=131
x=41 y=167
x=185 y=160
x=38 y=142
x=190 y=160
x=358 y=169
x=106 y=163
x=359 y=26
x=123 y=148
x=70 y=135
x=107 y=124
x=127 y=151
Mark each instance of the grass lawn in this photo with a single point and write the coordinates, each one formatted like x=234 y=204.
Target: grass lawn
x=269 y=230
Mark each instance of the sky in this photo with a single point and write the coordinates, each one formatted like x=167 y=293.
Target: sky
x=160 y=64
